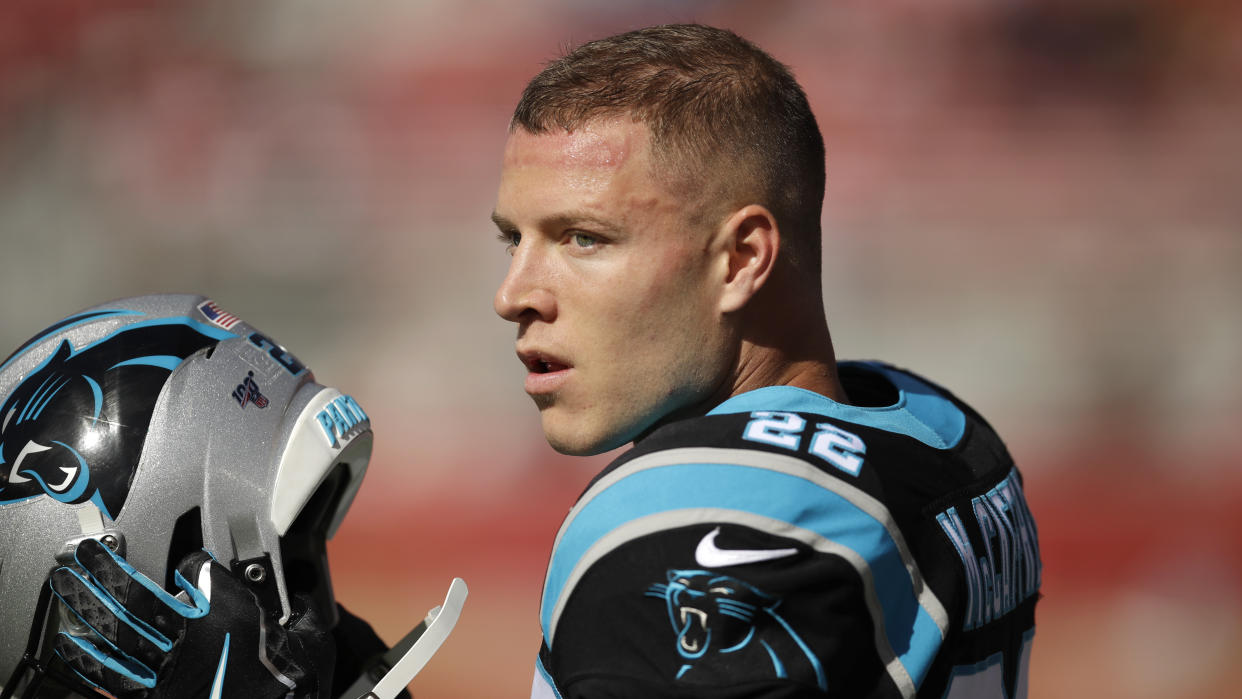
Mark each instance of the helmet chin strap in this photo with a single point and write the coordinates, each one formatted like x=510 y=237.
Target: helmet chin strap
x=400 y=664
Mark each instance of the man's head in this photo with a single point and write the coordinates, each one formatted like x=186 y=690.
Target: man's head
x=729 y=124
x=652 y=183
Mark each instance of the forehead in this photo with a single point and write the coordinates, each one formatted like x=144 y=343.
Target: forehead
x=594 y=144
x=600 y=169
x=607 y=146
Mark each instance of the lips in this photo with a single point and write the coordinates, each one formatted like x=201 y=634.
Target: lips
x=541 y=361
x=547 y=372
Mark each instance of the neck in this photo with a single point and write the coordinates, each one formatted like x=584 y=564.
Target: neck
x=785 y=341
x=803 y=361
x=809 y=364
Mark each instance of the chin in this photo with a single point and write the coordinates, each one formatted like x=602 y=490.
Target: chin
x=572 y=449
x=576 y=440
x=574 y=445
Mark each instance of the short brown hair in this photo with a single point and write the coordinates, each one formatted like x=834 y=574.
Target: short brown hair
x=713 y=102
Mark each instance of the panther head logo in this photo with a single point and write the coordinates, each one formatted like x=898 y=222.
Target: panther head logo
x=73 y=429
x=714 y=615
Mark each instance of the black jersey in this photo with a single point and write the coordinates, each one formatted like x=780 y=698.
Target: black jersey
x=786 y=545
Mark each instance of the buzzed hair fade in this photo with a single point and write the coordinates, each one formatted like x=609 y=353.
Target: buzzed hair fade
x=718 y=109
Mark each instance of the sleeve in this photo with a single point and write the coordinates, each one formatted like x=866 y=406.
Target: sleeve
x=733 y=573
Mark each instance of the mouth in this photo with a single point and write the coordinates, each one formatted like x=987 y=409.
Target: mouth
x=546 y=372
x=537 y=362
x=693 y=636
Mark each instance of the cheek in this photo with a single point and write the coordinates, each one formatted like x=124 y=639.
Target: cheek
x=686 y=302
x=672 y=331
x=659 y=310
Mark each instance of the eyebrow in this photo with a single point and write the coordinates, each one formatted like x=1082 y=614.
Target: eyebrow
x=503 y=223
x=568 y=220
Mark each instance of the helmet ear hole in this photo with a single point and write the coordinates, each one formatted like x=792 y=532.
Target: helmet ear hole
x=187 y=537
x=303 y=548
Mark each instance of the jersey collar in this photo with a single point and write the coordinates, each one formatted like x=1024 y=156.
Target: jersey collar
x=921 y=411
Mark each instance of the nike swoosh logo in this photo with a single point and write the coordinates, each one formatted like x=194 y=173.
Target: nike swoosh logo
x=709 y=555
x=217 y=686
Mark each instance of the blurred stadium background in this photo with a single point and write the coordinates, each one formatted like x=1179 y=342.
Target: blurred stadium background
x=1036 y=202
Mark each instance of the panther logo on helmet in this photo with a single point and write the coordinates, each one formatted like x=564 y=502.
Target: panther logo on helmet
x=73 y=429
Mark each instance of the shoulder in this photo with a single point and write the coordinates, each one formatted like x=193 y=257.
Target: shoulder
x=720 y=509
x=822 y=515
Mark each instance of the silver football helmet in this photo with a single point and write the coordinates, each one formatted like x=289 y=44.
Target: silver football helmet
x=160 y=425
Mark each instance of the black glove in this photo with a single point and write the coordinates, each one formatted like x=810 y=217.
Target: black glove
x=140 y=642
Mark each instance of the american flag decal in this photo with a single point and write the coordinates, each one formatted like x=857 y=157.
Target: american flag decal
x=218 y=316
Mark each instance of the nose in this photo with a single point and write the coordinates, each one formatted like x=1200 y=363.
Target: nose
x=524 y=294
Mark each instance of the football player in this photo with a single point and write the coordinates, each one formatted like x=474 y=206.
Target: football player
x=785 y=524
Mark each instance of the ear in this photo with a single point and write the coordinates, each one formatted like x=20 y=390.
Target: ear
x=752 y=241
